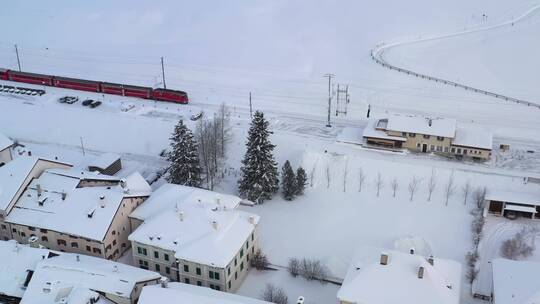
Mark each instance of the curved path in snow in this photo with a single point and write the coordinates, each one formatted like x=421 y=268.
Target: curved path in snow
x=378 y=51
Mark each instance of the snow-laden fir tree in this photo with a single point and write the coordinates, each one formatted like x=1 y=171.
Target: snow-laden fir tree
x=288 y=182
x=184 y=166
x=259 y=176
x=301 y=181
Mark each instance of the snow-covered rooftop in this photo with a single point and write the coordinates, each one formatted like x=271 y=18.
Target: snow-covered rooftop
x=445 y=127
x=527 y=198
x=5 y=142
x=200 y=231
x=16 y=261
x=84 y=175
x=371 y=131
x=367 y=281
x=168 y=196
x=105 y=160
x=12 y=177
x=516 y=282
x=473 y=137
x=86 y=212
x=178 y=293
x=79 y=277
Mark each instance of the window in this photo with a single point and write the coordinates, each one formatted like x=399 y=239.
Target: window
x=235 y=262
x=198 y=271
x=432 y=147
x=253 y=250
x=44 y=239
x=458 y=151
x=88 y=248
x=23 y=234
x=236 y=275
x=412 y=134
x=74 y=244
x=123 y=245
x=96 y=250
x=166 y=256
x=143 y=264
x=439 y=148
x=186 y=280
x=229 y=271
x=212 y=286
x=440 y=138
x=113 y=232
x=453 y=150
x=426 y=136
x=218 y=288
x=464 y=151
x=141 y=250
x=241 y=266
x=61 y=242
x=229 y=284
x=418 y=145
x=167 y=270
x=4 y=227
x=156 y=254
x=199 y=283
x=252 y=236
x=247 y=257
x=247 y=244
x=446 y=149
x=31 y=228
x=216 y=275
x=211 y=274
x=43 y=230
x=242 y=253
x=158 y=268
x=186 y=268
x=14 y=230
x=114 y=242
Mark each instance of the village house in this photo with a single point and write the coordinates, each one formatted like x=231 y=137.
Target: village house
x=6 y=146
x=194 y=236
x=512 y=204
x=71 y=210
x=429 y=135
x=392 y=277
x=515 y=282
x=17 y=266
x=178 y=293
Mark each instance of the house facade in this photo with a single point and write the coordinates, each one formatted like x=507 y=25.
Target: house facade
x=198 y=237
x=428 y=135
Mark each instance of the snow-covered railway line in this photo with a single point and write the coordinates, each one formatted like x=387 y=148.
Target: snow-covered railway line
x=377 y=56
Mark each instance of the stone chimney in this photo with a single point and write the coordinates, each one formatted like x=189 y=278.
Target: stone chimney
x=411 y=251
x=64 y=195
x=431 y=260
x=181 y=215
x=215 y=225
x=384 y=259
x=39 y=190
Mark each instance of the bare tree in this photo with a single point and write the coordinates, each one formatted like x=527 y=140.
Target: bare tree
x=413 y=187
x=432 y=183
x=465 y=190
x=312 y=175
x=480 y=197
x=274 y=294
x=518 y=246
x=361 y=179
x=294 y=266
x=223 y=120
x=449 y=188
x=379 y=183
x=394 y=185
x=259 y=260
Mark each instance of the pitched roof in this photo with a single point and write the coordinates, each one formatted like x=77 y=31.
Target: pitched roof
x=16 y=261
x=79 y=277
x=178 y=293
x=520 y=197
x=5 y=142
x=445 y=127
x=473 y=137
x=367 y=281
x=516 y=282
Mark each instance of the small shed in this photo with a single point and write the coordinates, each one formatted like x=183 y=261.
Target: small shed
x=108 y=164
x=511 y=204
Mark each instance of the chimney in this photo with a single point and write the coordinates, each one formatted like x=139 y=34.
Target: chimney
x=384 y=259
x=300 y=300
x=411 y=251
x=215 y=225
x=78 y=258
x=181 y=215
x=431 y=260
x=218 y=200
x=39 y=190
x=64 y=195
x=421 y=272
x=430 y=122
x=115 y=268
x=163 y=281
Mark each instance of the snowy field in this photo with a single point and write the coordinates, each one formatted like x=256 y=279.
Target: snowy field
x=279 y=50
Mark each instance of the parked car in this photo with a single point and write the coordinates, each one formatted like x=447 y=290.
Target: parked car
x=34 y=93
x=62 y=99
x=87 y=102
x=95 y=104
x=196 y=116
x=72 y=100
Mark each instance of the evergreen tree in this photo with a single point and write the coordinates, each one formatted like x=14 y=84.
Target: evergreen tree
x=288 y=182
x=259 y=176
x=184 y=166
x=301 y=181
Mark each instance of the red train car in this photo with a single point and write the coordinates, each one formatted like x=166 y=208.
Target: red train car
x=112 y=88
x=31 y=78
x=136 y=91
x=4 y=74
x=76 y=84
x=171 y=95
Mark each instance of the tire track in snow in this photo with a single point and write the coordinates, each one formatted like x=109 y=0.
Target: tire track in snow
x=378 y=51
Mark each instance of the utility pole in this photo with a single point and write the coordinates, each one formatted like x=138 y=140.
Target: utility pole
x=18 y=60
x=163 y=73
x=250 y=107
x=330 y=76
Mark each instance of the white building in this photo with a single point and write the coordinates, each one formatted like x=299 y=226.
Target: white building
x=513 y=203
x=194 y=236
x=391 y=277
x=74 y=278
x=178 y=293
x=515 y=282
x=71 y=210
x=6 y=145
x=17 y=266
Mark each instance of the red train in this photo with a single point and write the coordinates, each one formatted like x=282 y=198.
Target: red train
x=96 y=86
